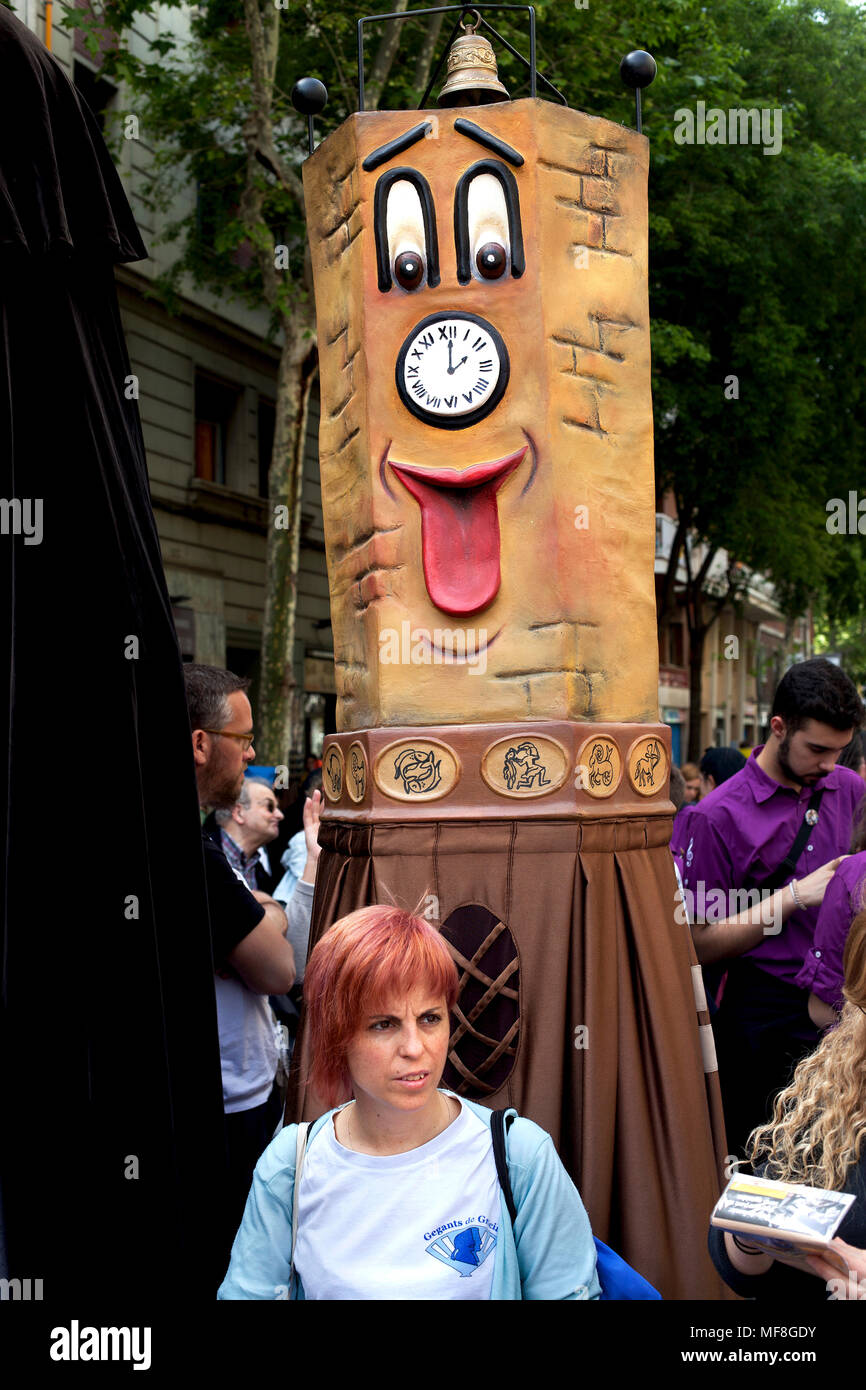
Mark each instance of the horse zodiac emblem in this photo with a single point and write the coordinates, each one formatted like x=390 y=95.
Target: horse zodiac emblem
x=600 y=766
x=645 y=767
x=419 y=772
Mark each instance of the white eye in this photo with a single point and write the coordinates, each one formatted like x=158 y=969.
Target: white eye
x=405 y=230
x=487 y=215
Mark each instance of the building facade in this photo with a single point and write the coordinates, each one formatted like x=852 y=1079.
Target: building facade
x=205 y=379
x=747 y=650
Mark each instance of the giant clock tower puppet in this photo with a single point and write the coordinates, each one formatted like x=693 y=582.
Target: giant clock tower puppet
x=487 y=483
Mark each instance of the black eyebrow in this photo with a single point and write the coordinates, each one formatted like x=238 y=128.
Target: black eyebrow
x=490 y=142
x=403 y=142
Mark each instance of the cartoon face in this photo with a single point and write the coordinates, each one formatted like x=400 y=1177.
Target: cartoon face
x=486 y=436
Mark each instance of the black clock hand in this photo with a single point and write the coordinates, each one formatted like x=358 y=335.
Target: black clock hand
x=452 y=370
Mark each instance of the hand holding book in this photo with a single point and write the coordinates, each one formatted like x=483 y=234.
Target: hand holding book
x=790 y=1222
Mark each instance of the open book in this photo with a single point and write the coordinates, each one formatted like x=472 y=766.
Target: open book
x=787 y=1219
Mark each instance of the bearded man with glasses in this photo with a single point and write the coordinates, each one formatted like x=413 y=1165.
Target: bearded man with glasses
x=252 y=957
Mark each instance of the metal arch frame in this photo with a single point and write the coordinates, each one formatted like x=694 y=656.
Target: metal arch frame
x=534 y=75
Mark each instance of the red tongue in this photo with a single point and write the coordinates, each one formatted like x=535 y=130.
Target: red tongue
x=459 y=530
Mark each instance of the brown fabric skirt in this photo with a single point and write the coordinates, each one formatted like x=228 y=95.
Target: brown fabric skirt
x=578 y=1006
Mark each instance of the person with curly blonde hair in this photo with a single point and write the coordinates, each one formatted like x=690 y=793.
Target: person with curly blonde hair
x=816 y=1137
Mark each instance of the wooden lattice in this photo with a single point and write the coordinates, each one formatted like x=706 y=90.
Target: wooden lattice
x=467 y=1023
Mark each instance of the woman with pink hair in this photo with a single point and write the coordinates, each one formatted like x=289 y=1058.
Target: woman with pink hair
x=394 y=1193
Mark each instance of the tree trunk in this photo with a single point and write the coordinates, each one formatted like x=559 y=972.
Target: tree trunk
x=280 y=691
x=424 y=61
x=697 y=636
x=383 y=62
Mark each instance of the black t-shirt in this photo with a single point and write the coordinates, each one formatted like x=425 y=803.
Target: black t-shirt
x=234 y=912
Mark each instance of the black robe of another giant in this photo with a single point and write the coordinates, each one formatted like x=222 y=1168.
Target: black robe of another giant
x=111 y=1128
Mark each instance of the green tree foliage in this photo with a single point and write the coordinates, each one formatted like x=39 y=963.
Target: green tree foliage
x=755 y=282
x=755 y=259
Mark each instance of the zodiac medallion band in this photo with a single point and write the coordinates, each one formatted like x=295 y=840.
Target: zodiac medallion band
x=558 y=770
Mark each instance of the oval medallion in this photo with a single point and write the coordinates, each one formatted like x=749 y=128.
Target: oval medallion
x=333 y=772
x=356 y=772
x=420 y=769
x=599 y=767
x=526 y=767
x=648 y=766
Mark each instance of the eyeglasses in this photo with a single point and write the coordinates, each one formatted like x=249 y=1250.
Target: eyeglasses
x=245 y=739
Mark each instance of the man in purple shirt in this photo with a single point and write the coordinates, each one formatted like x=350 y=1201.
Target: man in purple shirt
x=788 y=812
x=822 y=972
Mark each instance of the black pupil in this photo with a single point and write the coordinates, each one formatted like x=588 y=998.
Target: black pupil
x=491 y=260
x=409 y=269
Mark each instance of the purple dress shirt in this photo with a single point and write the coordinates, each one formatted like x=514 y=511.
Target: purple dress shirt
x=822 y=969
x=742 y=831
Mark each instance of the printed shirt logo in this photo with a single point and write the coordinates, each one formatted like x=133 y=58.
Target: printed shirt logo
x=465 y=1250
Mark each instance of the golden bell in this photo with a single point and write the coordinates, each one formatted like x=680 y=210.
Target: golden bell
x=473 y=79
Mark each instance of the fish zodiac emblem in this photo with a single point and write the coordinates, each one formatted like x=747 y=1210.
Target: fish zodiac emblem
x=419 y=772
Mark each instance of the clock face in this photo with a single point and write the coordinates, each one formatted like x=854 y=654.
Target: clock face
x=452 y=370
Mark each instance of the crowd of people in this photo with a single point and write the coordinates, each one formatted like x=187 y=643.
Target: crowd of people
x=770 y=853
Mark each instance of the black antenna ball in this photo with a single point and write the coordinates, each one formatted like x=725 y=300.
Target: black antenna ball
x=309 y=96
x=638 y=68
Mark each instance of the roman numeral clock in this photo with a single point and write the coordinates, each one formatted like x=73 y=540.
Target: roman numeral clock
x=452 y=370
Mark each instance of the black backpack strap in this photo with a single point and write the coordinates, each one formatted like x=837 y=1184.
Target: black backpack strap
x=785 y=870
x=499 y=1123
